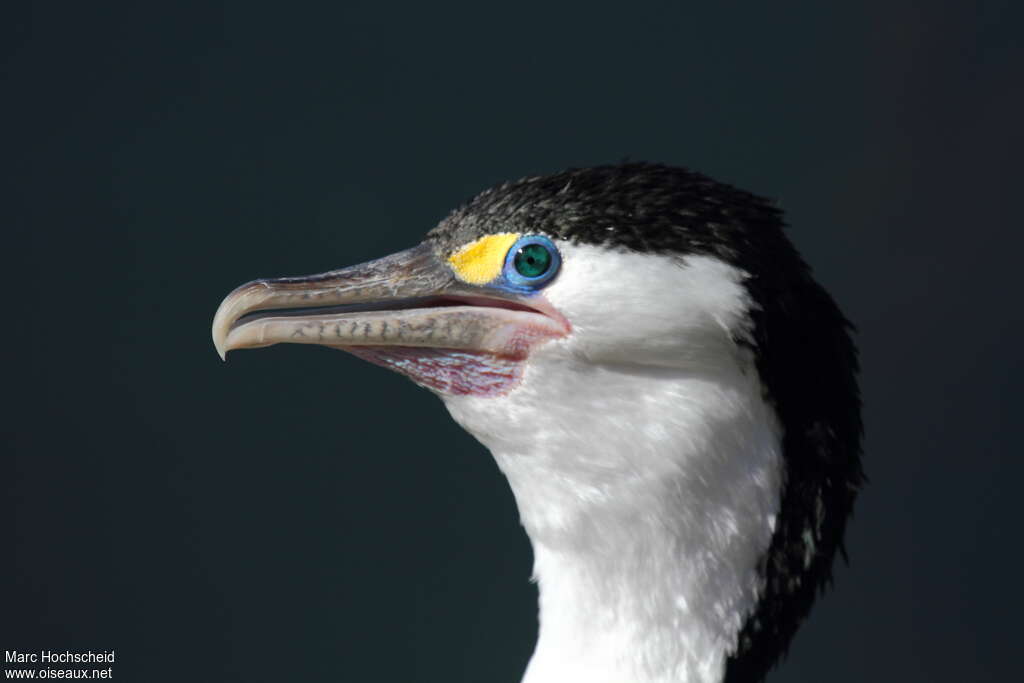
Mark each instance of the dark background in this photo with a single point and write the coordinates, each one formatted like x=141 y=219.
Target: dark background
x=296 y=515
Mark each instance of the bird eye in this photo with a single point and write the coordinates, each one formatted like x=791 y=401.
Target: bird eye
x=532 y=262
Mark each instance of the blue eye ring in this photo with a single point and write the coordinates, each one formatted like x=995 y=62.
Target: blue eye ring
x=532 y=262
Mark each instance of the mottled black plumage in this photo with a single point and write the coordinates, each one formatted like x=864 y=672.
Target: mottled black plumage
x=801 y=341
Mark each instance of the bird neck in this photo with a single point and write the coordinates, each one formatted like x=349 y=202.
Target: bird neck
x=650 y=499
x=659 y=608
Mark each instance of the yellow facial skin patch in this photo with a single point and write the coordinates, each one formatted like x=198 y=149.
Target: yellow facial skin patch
x=480 y=261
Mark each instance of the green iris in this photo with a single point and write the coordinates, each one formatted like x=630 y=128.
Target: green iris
x=532 y=260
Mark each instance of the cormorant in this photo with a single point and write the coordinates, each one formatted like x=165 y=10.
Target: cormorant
x=670 y=394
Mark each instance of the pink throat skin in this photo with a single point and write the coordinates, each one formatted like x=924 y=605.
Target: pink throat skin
x=447 y=371
x=462 y=372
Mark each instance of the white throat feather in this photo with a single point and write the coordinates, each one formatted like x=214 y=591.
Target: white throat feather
x=648 y=483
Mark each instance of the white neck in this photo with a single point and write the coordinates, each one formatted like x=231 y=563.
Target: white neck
x=646 y=466
x=646 y=535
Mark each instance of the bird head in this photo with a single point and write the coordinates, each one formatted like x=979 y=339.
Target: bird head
x=652 y=365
